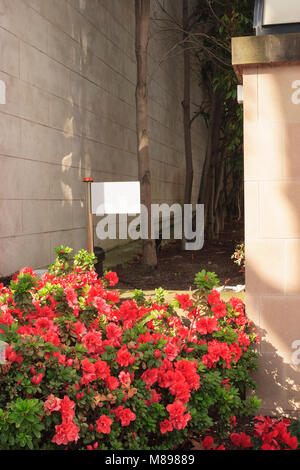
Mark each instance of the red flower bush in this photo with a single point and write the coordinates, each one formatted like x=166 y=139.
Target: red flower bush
x=266 y=434
x=91 y=372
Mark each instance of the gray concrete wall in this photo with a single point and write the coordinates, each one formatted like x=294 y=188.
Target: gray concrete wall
x=69 y=69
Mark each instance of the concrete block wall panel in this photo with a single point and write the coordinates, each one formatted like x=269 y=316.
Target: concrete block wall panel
x=272 y=229
x=69 y=69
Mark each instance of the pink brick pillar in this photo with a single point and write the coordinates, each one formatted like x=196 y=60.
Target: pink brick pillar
x=270 y=74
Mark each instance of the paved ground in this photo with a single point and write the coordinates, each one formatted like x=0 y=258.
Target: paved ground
x=128 y=294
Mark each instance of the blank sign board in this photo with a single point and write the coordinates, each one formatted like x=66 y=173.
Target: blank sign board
x=116 y=198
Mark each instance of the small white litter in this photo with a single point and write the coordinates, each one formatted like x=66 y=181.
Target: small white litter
x=40 y=272
x=238 y=288
x=3 y=347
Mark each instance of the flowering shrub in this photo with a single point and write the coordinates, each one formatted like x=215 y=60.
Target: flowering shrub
x=84 y=370
x=266 y=434
x=64 y=264
x=239 y=255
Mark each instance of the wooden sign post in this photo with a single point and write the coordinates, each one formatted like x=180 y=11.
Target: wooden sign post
x=90 y=226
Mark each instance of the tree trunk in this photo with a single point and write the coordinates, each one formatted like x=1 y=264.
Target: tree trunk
x=210 y=160
x=186 y=104
x=218 y=195
x=142 y=23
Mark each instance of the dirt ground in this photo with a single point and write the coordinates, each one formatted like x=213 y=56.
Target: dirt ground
x=176 y=269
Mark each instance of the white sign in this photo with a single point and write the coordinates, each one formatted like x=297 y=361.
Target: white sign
x=2 y=92
x=116 y=198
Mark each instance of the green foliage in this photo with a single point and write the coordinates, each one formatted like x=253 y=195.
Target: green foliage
x=22 y=289
x=139 y=297
x=206 y=281
x=159 y=297
x=21 y=424
x=215 y=23
x=295 y=430
x=85 y=260
x=239 y=255
x=64 y=264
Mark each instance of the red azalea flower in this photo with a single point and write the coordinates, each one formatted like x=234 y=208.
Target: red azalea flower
x=184 y=301
x=36 y=379
x=165 y=426
x=171 y=351
x=189 y=370
x=177 y=418
x=79 y=329
x=101 y=369
x=71 y=296
x=112 y=278
x=67 y=409
x=124 y=378
x=93 y=342
x=292 y=442
x=65 y=433
x=206 y=325
x=124 y=415
x=104 y=424
x=112 y=383
x=51 y=404
x=12 y=356
x=219 y=309
x=124 y=357
x=241 y=440
x=111 y=296
x=150 y=376
x=102 y=307
x=114 y=333
x=233 y=420
x=207 y=443
x=129 y=312
x=213 y=298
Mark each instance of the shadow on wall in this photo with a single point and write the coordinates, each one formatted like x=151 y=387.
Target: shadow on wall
x=90 y=130
x=78 y=126
x=272 y=169
x=278 y=379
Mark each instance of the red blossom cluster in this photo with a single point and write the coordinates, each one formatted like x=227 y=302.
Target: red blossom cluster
x=208 y=444
x=274 y=433
x=67 y=431
x=241 y=440
x=180 y=380
x=267 y=434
